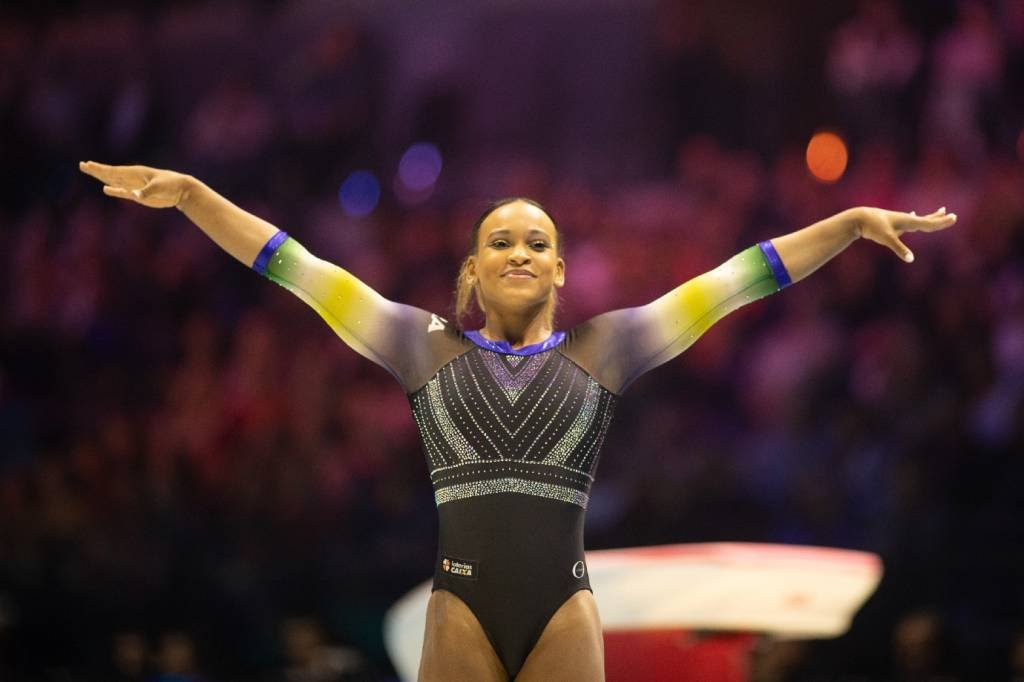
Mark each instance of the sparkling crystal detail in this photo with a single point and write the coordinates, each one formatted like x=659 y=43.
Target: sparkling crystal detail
x=534 y=426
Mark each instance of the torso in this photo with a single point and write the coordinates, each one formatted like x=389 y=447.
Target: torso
x=512 y=441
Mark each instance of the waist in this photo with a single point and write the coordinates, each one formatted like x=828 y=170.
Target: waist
x=488 y=477
x=512 y=531
x=510 y=516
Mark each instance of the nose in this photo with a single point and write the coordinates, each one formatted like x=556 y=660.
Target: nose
x=520 y=255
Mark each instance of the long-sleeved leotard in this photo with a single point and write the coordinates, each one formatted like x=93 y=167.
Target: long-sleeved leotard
x=512 y=436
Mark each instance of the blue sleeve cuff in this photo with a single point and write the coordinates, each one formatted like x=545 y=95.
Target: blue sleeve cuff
x=262 y=260
x=775 y=263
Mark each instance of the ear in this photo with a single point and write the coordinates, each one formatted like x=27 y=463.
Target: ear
x=471 y=269
x=559 y=273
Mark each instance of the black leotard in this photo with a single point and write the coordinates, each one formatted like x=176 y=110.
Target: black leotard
x=512 y=436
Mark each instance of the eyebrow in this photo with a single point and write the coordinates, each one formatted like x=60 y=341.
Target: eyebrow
x=505 y=230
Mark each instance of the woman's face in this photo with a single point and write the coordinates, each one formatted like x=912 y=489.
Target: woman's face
x=516 y=236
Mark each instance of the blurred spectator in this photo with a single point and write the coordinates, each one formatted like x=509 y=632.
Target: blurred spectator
x=967 y=69
x=921 y=650
x=327 y=89
x=778 y=660
x=176 y=659
x=130 y=657
x=230 y=127
x=871 y=61
x=312 y=659
x=1017 y=657
x=6 y=623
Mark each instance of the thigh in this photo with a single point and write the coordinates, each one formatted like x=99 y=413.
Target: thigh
x=571 y=647
x=454 y=644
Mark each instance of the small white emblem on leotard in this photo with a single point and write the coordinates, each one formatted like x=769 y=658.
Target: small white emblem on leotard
x=435 y=323
x=578 y=569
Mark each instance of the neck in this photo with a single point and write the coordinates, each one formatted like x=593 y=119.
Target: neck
x=518 y=330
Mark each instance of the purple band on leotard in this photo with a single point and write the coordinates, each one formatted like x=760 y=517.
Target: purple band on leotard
x=776 y=264
x=506 y=348
x=262 y=260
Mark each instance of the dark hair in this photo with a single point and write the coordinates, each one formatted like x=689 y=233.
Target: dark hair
x=463 y=290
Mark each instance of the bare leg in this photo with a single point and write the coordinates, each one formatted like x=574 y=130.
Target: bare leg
x=455 y=647
x=571 y=648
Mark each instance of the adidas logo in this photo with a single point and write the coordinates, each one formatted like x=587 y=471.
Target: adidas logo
x=436 y=323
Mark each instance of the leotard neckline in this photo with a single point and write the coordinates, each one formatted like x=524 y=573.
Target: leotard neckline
x=506 y=348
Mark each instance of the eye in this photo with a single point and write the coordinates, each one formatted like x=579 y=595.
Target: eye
x=538 y=245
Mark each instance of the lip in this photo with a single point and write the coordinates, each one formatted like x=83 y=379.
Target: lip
x=518 y=273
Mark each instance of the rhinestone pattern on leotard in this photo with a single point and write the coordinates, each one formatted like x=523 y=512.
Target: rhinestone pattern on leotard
x=492 y=423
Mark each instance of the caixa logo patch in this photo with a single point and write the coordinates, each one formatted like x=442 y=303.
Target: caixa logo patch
x=460 y=568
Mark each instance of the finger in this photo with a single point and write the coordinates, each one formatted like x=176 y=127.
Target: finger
x=931 y=223
x=96 y=170
x=120 y=192
x=143 y=192
x=901 y=250
x=111 y=175
x=941 y=222
x=130 y=176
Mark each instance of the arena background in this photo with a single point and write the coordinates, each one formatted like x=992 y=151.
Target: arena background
x=198 y=480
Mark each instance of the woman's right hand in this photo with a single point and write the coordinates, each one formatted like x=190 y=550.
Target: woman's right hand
x=151 y=187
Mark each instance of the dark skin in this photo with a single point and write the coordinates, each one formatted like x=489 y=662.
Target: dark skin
x=571 y=648
x=517 y=235
x=514 y=236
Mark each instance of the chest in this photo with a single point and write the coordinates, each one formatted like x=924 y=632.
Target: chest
x=486 y=406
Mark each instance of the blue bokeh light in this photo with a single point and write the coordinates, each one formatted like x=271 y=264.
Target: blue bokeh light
x=420 y=166
x=359 y=193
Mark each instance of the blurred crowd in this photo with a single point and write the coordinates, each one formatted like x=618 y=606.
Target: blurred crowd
x=199 y=481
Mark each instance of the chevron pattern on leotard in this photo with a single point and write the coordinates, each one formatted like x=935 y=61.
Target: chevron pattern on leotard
x=492 y=423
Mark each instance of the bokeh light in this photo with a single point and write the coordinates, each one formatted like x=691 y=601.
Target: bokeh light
x=409 y=196
x=359 y=193
x=420 y=166
x=826 y=156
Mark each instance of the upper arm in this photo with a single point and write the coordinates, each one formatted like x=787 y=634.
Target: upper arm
x=379 y=329
x=630 y=341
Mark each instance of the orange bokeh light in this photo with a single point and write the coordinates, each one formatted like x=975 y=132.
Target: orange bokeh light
x=826 y=156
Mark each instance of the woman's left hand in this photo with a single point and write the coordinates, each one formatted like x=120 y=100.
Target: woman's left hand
x=885 y=227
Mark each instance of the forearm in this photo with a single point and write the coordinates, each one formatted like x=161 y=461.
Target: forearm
x=238 y=232
x=806 y=250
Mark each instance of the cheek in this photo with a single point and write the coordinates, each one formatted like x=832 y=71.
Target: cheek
x=490 y=265
x=488 y=268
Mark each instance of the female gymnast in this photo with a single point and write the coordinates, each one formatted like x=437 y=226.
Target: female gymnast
x=511 y=416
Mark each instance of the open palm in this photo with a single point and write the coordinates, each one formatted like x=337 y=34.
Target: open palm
x=886 y=227
x=151 y=187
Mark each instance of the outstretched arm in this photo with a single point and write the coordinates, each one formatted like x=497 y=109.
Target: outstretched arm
x=806 y=250
x=620 y=345
x=238 y=232
x=381 y=330
x=377 y=328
